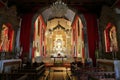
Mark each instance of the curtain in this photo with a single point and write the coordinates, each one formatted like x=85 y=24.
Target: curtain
x=25 y=33
x=92 y=31
x=1 y=4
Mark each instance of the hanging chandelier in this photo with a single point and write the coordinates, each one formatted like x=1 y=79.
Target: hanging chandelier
x=59 y=8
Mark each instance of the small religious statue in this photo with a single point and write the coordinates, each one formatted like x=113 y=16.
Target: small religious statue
x=113 y=41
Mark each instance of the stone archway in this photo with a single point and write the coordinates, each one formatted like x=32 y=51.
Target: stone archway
x=65 y=13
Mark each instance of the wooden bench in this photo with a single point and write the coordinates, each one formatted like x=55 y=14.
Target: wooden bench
x=102 y=75
x=33 y=71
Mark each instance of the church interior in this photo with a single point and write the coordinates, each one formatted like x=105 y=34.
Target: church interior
x=59 y=40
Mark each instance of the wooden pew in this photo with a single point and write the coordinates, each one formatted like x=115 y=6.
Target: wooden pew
x=95 y=73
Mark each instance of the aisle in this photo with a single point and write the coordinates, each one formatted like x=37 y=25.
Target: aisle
x=58 y=73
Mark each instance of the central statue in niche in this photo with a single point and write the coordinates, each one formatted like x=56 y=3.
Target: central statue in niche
x=59 y=48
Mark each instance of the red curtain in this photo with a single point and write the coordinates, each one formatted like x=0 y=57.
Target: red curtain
x=25 y=33
x=92 y=31
x=34 y=48
x=1 y=4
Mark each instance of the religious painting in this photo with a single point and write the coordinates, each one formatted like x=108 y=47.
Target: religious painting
x=4 y=41
x=111 y=44
x=78 y=45
x=36 y=41
x=6 y=38
x=80 y=39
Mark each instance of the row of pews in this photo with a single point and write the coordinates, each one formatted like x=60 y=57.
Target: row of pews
x=80 y=71
x=94 y=74
x=14 y=70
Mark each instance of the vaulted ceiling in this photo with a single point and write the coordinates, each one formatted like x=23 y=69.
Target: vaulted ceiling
x=93 y=6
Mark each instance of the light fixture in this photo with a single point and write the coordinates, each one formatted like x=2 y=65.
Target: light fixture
x=59 y=9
